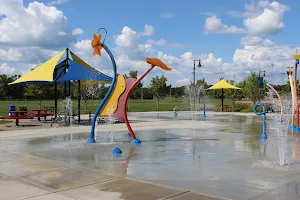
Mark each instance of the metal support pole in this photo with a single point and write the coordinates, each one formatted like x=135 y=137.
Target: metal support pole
x=265 y=124
x=79 y=98
x=204 y=110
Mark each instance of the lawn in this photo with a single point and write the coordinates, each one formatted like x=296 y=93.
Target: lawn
x=91 y=105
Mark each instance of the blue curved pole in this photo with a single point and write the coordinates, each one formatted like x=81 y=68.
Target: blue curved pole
x=264 y=112
x=114 y=80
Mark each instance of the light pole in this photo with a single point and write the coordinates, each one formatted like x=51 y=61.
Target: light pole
x=199 y=65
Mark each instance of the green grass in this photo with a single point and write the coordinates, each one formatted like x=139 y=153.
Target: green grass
x=134 y=105
x=4 y=122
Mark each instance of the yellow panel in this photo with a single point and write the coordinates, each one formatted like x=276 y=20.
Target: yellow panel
x=222 y=84
x=112 y=103
x=42 y=73
x=297 y=57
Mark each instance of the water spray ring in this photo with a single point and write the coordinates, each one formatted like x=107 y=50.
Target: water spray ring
x=260 y=113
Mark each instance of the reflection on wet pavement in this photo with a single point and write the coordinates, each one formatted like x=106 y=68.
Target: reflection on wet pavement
x=228 y=160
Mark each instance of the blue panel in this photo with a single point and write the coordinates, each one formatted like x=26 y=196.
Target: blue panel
x=78 y=72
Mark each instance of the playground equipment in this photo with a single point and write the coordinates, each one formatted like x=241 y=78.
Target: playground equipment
x=204 y=111
x=297 y=128
x=289 y=73
x=153 y=62
x=115 y=100
x=264 y=112
x=261 y=85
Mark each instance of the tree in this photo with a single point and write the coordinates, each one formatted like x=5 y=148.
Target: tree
x=252 y=91
x=10 y=91
x=233 y=94
x=158 y=87
x=136 y=93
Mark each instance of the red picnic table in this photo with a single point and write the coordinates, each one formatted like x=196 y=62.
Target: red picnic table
x=16 y=115
x=41 y=112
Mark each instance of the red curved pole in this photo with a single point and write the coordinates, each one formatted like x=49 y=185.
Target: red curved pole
x=281 y=102
x=130 y=131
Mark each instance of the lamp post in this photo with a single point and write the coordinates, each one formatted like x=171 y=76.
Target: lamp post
x=194 y=72
x=199 y=65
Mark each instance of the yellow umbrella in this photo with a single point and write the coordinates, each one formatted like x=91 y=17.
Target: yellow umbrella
x=223 y=85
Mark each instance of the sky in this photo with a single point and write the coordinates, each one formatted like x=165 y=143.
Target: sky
x=232 y=38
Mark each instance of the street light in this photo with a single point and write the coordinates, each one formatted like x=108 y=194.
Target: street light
x=199 y=65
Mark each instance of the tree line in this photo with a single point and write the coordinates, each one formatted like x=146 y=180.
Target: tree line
x=157 y=89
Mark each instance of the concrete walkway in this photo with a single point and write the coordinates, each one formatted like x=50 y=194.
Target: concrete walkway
x=27 y=177
x=33 y=178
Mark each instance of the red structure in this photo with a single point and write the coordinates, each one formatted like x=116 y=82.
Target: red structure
x=153 y=62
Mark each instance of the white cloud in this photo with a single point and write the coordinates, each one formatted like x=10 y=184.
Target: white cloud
x=57 y=2
x=77 y=31
x=184 y=81
x=261 y=17
x=148 y=30
x=5 y=69
x=167 y=15
x=163 y=42
x=251 y=41
x=215 y=25
x=268 y=21
x=48 y=25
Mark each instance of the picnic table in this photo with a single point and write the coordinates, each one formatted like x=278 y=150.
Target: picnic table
x=17 y=115
x=41 y=112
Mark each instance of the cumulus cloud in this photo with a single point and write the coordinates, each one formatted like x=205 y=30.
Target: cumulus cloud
x=214 y=25
x=163 y=42
x=265 y=18
x=77 y=31
x=148 y=30
x=5 y=69
x=35 y=25
x=251 y=41
x=261 y=17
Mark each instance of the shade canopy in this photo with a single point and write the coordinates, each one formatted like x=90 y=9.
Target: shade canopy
x=77 y=72
x=43 y=73
x=67 y=70
x=222 y=85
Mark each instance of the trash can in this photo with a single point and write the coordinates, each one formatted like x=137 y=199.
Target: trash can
x=23 y=109
x=11 y=108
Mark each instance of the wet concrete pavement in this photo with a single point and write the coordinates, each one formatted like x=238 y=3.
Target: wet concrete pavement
x=32 y=178
x=218 y=157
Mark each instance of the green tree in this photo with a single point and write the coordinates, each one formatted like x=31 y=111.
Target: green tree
x=158 y=87
x=232 y=94
x=251 y=90
x=136 y=93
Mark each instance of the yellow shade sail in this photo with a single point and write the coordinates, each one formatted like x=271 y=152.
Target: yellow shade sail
x=42 y=73
x=222 y=85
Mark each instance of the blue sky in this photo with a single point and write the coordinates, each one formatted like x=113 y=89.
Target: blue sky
x=209 y=30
